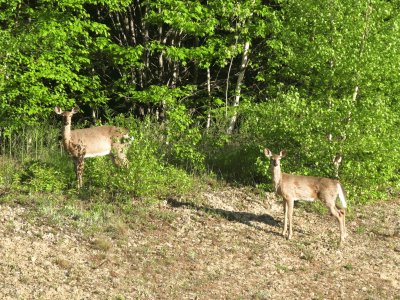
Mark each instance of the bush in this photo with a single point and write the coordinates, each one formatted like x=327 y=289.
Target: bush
x=183 y=138
x=40 y=176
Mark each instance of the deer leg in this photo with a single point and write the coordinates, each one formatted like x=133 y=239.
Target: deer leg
x=285 y=209
x=290 y=204
x=76 y=171
x=340 y=217
x=79 y=167
x=343 y=217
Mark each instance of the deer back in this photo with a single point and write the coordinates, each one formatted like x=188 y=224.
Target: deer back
x=307 y=188
x=97 y=141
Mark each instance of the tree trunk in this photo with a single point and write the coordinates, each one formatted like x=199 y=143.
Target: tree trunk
x=245 y=60
x=209 y=97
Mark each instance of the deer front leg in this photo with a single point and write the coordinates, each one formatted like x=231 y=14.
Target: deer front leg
x=285 y=209
x=79 y=167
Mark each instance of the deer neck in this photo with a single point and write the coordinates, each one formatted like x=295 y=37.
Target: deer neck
x=276 y=177
x=67 y=133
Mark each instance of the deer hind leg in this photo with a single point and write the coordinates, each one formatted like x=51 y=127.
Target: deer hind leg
x=340 y=216
x=285 y=211
x=290 y=205
x=342 y=212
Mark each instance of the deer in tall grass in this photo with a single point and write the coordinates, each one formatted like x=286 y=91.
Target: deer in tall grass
x=92 y=142
x=294 y=187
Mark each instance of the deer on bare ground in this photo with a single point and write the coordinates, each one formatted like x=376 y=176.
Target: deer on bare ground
x=294 y=187
x=92 y=142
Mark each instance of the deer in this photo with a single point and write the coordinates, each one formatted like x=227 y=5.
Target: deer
x=92 y=142
x=309 y=188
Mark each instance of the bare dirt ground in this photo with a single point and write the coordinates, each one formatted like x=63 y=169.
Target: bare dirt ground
x=226 y=245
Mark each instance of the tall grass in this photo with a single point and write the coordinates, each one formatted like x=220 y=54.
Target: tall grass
x=21 y=150
x=37 y=142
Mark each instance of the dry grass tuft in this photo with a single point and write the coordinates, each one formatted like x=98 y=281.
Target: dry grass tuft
x=101 y=243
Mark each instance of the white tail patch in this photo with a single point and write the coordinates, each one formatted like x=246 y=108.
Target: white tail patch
x=341 y=196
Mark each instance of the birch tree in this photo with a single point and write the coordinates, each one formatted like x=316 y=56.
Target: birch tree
x=242 y=70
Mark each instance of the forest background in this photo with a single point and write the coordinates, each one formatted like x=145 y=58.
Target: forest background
x=203 y=87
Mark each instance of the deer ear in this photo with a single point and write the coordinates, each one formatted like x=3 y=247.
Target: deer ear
x=283 y=153
x=267 y=152
x=75 y=110
x=58 y=110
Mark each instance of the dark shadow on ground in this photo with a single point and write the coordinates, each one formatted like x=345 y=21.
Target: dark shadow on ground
x=233 y=216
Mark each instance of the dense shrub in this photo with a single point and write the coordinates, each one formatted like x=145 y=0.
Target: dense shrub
x=361 y=132
x=40 y=176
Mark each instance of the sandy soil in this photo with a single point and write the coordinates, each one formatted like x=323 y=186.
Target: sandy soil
x=225 y=245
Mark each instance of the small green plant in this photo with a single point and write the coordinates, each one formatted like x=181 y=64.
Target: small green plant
x=314 y=207
x=348 y=267
x=361 y=229
x=8 y=168
x=117 y=229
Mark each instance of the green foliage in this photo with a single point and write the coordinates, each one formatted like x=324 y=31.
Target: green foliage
x=46 y=61
x=231 y=157
x=180 y=131
x=38 y=176
x=162 y=94
x=327 y=48
x=31 y=160
x=189 y=16
x=183 y=137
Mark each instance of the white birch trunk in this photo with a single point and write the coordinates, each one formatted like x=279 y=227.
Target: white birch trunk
x=236 y=102
x=209 y=96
